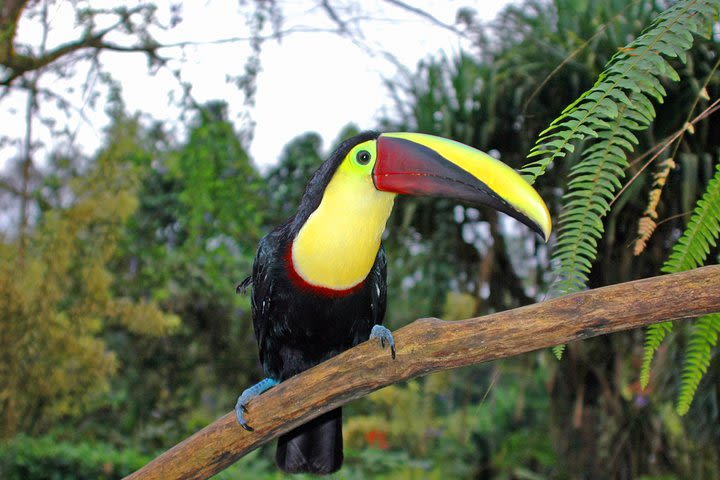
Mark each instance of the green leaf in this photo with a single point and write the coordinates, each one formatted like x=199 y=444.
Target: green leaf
x=703 y=337
x=690 y=251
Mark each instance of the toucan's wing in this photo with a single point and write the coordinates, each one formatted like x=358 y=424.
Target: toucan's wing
x=378 y=282
x=263 y=292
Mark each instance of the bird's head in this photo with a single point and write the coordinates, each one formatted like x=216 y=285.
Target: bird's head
x=339 y=224
x=426 y=165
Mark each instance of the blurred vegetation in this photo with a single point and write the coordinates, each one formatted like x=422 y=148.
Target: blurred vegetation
x=121 y=334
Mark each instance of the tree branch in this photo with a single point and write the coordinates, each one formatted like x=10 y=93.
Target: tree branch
x=10 y=11
x=429 y=345
x=20 y=64
x=422 y=13
x=342 y=26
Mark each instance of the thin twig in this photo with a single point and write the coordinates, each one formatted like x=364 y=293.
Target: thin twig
x=422 y=13
x=714 y=107
x=672 y=217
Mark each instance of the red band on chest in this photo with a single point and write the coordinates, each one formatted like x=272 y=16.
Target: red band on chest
x=303 y=284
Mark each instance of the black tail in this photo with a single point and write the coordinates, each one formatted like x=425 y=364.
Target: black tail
x=315 y=447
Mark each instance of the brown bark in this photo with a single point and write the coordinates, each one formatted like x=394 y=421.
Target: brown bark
x=18 y=64
x=10 y=11
x=429 y=345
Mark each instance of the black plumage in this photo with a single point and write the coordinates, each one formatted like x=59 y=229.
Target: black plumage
x=298 y=325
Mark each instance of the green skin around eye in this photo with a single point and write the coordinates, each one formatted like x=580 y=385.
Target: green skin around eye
x=354 y=161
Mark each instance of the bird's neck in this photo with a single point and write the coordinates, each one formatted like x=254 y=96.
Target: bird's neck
x=337 y=245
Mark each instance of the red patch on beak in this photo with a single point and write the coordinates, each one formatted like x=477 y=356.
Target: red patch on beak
x=406 y=167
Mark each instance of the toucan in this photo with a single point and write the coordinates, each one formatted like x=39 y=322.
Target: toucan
x=319 y=279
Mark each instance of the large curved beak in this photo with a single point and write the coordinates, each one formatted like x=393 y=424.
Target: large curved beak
x=419 y=164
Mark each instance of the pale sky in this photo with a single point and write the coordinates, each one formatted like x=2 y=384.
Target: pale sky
x=309 y=82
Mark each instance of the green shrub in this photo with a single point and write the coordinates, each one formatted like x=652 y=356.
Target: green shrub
x=27 y=458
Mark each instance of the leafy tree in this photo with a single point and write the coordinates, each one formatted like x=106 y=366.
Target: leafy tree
x=188 y=244
x=286 y=181
x=58 y=298
x=41 y=72
x=219 y=195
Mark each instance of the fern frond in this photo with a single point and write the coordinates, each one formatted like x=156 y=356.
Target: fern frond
x=646 y=224
x=592 y=185
x=690 y=251
x=654 y=336
x=701 y=233
x=646 y=227
x=634 y=69
x=703 y=337
x=558 y=351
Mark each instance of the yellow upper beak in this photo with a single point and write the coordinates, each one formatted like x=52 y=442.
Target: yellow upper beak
x=419 y=164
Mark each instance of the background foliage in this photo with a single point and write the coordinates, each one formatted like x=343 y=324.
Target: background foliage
x=120 y=332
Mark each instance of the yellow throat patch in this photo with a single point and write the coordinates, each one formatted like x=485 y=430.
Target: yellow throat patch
x=337 y=246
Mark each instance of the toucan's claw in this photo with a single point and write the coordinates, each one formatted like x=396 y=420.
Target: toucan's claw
x=244 y=425
x=249 y=394
x=385 y=335
x=241 y=410
x=242 y=286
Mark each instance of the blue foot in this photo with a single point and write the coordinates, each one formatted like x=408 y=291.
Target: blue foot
x=248 y=395
x=385 y=335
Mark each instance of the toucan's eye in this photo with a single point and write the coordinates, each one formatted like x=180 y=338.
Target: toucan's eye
x=363 y=157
